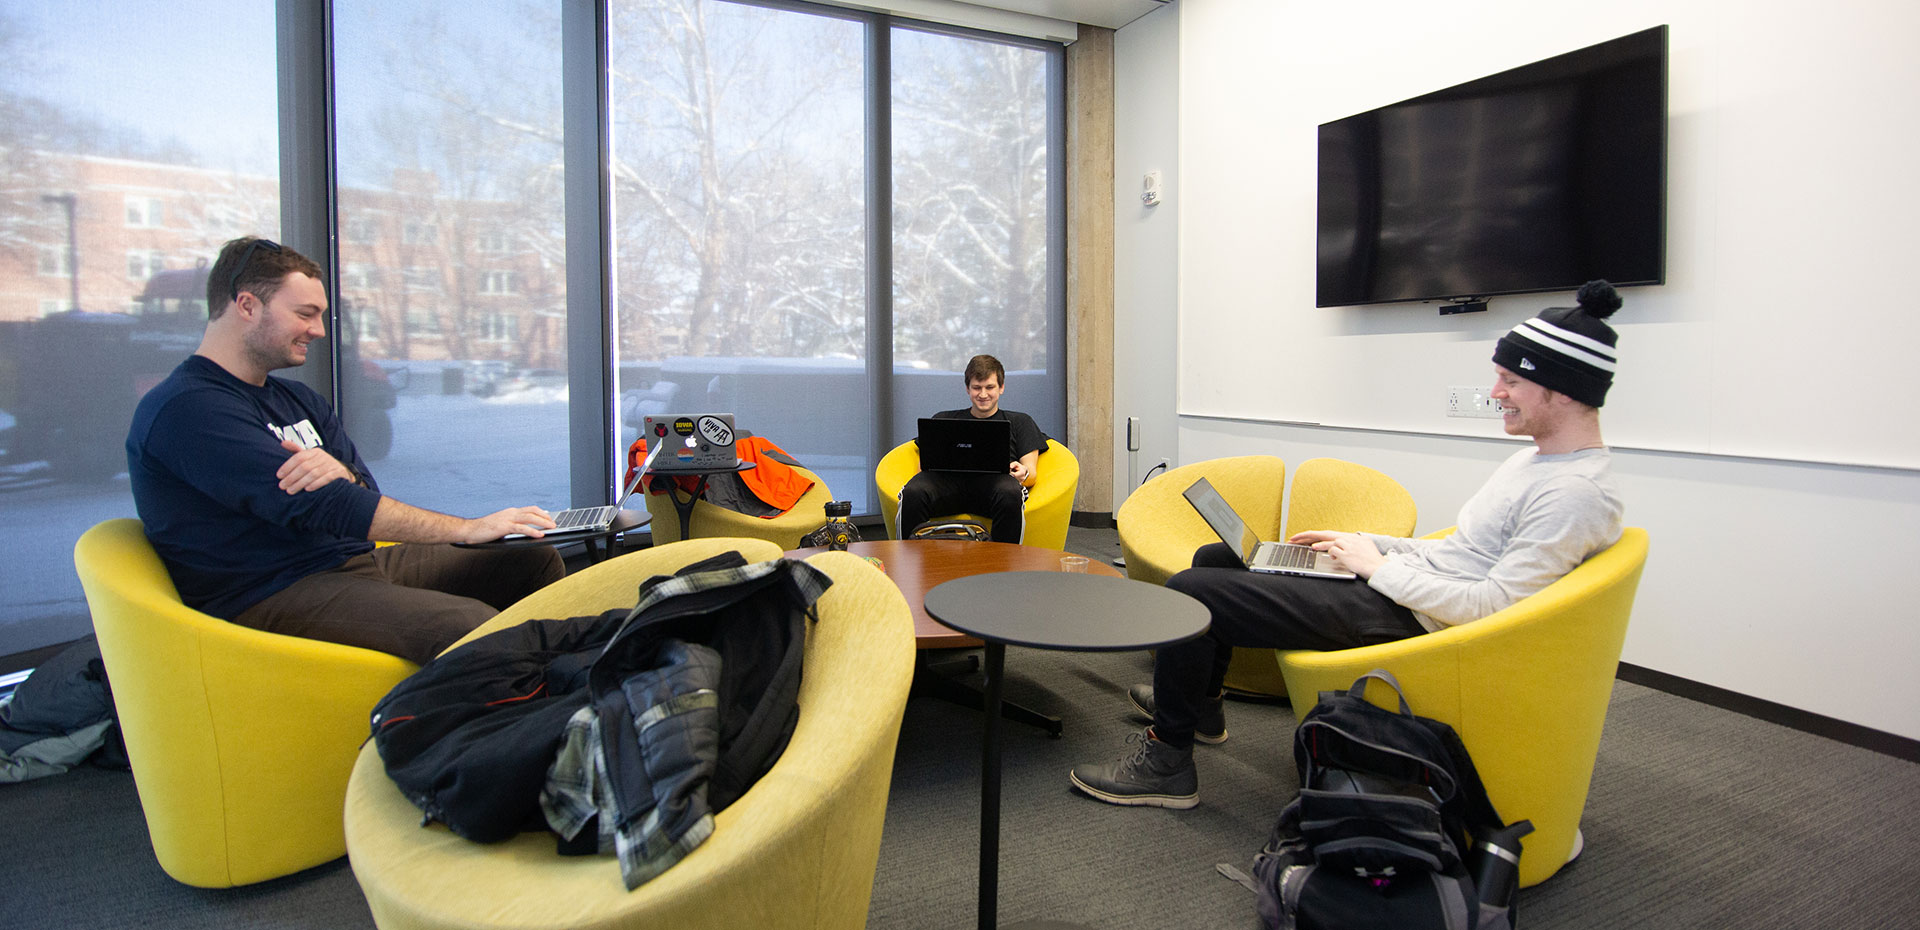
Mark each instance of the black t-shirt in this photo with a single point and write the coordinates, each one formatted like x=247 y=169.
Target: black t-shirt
x=1024 y=434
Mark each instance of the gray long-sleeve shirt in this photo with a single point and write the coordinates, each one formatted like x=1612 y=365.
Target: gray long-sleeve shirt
x=1534 y=520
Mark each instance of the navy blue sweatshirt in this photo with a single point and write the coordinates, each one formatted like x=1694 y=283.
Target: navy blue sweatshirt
x=202 y=452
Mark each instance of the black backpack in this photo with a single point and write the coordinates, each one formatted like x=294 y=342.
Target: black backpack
x=470 y=737
x=1378 y=837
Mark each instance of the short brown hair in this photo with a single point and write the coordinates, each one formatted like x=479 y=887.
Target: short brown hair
x=980 y=366
x=266 y=266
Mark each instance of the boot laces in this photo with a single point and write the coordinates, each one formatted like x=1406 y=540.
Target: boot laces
x=1138 y=756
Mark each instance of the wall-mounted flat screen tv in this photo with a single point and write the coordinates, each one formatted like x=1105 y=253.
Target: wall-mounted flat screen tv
x=1540 y=178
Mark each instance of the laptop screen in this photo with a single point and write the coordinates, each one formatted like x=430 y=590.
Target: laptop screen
x=965 y=444
x=1221 y=516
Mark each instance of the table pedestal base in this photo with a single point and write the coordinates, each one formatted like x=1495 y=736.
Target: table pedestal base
x=929 y=680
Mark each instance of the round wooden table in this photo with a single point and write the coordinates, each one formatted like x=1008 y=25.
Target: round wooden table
x=918 y=566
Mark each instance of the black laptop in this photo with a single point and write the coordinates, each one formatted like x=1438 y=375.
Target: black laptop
x=966 y=444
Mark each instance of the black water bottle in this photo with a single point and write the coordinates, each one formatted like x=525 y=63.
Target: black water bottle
x=1496 y=869
x=840 y=532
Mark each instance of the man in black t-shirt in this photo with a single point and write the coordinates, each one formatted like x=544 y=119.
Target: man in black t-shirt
x=1000 y=498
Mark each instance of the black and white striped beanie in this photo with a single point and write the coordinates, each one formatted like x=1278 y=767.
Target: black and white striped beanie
x=1566 y=349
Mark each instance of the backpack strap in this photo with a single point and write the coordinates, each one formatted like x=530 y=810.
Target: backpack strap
x=1238 y=875
x=1475 y=806
x=1359 y=689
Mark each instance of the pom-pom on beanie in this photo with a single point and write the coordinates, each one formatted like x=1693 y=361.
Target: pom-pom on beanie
x=1567 y=349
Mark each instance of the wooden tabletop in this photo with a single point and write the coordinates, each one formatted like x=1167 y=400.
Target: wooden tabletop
x=917 y=566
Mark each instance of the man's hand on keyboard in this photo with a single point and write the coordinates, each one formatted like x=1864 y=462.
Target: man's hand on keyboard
x=526 y=521
x=1350 y=551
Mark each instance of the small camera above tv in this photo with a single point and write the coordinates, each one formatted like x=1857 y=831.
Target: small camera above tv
x=1539 y=178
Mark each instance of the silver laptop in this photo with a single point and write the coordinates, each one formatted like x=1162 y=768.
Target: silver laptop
x=588 y=519
x=1279 y=558
x=692 y=441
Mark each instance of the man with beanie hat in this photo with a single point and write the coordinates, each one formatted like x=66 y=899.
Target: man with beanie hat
x=1544 y=511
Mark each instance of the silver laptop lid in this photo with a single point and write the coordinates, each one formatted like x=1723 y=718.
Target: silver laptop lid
x=692 y=440
x=1221 y=516
x=633 y=484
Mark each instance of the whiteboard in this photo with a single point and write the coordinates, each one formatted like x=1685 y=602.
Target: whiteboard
x=1792 y=200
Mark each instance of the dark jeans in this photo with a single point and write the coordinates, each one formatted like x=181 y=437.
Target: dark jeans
x=999 y=498
x=1255 y=609
x=411 y=600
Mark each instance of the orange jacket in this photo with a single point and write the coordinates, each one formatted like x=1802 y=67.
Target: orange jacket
x=773 y=479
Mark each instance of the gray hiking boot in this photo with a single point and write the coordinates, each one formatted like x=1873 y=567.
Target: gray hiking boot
x=1154 y=774
x=1213 y=716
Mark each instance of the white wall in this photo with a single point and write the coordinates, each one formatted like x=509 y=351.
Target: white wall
x=1146 y=242
x=1773 y=345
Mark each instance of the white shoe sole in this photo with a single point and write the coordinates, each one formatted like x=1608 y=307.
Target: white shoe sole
x=1175 y=801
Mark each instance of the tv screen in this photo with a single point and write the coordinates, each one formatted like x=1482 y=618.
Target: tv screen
x=1540 y=178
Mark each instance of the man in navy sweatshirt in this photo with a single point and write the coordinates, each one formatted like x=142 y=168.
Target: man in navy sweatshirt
x=264 y=512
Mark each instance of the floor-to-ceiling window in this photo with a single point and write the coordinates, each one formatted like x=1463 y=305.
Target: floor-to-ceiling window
x=452 y=246
x=972 y=249
x=739 y=217
x=812 y=218
x=743 y=147
x=135 y=138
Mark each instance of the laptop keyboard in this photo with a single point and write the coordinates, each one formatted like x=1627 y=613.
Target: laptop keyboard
x=1289 y=557
x=582 y=516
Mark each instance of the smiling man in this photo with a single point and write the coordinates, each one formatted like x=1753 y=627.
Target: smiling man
x=1002 y=498
x=1545 y=510
x=262 y=509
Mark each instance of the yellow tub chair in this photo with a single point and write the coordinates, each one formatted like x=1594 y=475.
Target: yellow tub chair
x=241 y=741
x=1049 y=502
x=1527 y=688
x=709 y=520
x=797 y=850
x=1159 y=531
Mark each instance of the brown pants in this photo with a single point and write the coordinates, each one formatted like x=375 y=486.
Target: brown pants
x=410 y=600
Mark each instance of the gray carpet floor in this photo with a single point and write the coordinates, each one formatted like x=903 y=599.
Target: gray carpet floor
x=1698 y=818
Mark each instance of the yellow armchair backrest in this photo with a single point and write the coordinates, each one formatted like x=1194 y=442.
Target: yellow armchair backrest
x=1330 y=494
x=712 y=521
x=1159 y=530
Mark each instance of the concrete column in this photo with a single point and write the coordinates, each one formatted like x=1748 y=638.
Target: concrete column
x=1090 y=271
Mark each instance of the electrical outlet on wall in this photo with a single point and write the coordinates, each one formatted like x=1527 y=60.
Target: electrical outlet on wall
x=1472 y=402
